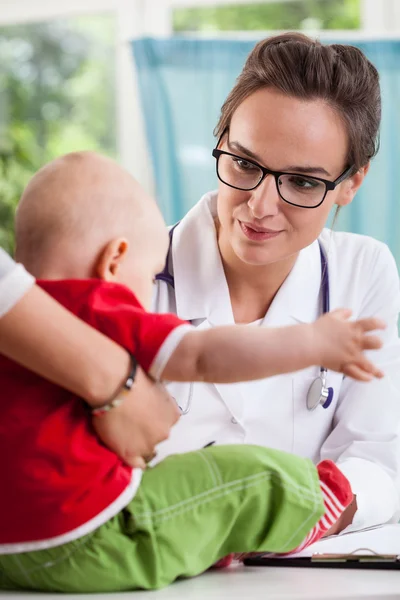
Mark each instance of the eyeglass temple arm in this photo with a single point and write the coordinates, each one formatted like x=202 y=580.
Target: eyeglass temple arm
x=344 y=175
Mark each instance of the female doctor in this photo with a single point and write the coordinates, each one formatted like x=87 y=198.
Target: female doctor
x=295 y=137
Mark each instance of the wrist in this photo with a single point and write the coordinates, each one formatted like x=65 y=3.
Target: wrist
x=119 y=397
x=109 y=379
x=313 y=343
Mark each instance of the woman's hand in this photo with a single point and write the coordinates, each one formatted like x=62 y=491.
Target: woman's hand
x=341 y=343
x=133 y=429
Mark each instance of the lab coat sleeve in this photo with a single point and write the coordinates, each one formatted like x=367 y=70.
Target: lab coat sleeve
x=14 y=282
x=364 y=441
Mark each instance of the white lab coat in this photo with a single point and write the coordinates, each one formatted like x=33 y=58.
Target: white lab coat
x=359 y=431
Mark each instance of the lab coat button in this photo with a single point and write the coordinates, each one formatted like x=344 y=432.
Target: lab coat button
x=233 y=420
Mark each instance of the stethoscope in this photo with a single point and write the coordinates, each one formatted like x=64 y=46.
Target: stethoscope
x=318 y=393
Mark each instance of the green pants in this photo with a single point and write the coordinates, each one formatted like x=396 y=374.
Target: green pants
x=191 y=510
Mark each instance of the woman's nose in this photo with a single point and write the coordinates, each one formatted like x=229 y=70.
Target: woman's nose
x=265 y=200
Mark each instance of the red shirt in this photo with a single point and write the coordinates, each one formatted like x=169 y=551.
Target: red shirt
x=58 y=482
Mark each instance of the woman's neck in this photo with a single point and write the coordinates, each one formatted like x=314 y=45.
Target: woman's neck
x=252 y=288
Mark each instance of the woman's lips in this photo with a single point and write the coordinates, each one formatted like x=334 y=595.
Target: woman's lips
x=257 y=234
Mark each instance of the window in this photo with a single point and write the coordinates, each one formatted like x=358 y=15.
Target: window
x=57 y=95
x=300 y=14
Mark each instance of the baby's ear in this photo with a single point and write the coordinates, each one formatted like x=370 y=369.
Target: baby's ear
x=110 y=259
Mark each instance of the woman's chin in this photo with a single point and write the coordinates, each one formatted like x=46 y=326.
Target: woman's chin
x=256 y=257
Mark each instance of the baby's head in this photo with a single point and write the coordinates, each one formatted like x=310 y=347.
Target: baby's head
x=83 y=216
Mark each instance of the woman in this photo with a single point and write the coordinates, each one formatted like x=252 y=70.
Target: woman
x=295 y=138
x=82 y=360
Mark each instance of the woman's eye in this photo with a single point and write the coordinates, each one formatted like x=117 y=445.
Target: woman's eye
x=243 y=165
x=304 y=182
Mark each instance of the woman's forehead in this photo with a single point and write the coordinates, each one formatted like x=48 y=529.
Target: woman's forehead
x=285 y=131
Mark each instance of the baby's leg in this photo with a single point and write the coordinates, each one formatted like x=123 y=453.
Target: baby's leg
x=337 y=496
x=231 y=497
x=190 y=511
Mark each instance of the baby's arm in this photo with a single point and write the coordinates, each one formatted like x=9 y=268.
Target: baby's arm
x=242 y=353
x=169 y=348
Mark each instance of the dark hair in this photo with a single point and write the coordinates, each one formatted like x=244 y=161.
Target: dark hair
x=298 y=66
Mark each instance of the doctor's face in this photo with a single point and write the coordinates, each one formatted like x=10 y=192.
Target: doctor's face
x=285 y=134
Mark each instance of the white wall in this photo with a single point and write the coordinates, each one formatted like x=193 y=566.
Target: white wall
x=380 y=15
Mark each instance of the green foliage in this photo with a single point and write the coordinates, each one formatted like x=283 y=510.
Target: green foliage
x=56 y=96
x=331 y=14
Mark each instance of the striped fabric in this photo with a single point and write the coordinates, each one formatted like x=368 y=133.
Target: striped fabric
x=337 y=496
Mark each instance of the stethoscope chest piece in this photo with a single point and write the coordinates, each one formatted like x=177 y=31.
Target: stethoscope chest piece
x=319 y=394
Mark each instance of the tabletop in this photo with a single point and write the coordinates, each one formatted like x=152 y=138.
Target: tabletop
x=239 y=582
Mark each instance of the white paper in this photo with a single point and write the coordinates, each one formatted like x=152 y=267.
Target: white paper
x=382 y=540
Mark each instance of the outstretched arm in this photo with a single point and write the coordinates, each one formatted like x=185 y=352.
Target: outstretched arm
x=241 y=353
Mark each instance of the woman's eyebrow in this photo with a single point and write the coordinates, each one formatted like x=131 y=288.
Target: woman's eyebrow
x=237 y=146
x=308 y=169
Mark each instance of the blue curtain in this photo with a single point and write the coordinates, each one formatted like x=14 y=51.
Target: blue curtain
x=183 y=83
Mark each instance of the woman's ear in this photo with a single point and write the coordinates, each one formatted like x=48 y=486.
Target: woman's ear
x=111 y=259
x=351 y=185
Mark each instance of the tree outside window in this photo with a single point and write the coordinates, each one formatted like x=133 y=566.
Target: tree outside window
x=56 y=96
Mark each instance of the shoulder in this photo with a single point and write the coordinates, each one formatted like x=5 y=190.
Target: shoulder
x=362 y=270
x=359 y=255
x=192 y=243
x=104 y=293
x=354 y=246
x=201 y=216
x=83 y=295
x=115 y=310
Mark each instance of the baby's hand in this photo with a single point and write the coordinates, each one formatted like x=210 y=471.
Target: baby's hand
x=341 y=344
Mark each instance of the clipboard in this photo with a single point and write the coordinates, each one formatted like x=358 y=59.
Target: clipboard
x=362 y=558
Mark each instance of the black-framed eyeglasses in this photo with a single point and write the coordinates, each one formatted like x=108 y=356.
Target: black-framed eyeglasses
x=294 y=188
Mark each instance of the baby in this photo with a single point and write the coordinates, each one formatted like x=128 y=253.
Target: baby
x=95 y=241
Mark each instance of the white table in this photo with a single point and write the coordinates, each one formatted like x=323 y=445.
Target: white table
x=256 y=583
x=284 y=583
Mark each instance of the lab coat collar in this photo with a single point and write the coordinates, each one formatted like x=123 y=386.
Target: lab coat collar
x=299 y=298
x=201 y=290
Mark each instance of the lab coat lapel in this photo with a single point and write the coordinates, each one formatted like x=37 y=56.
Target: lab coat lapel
x=201 y=290
x=202 y=294
x=299 y=300
x=299 y=297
